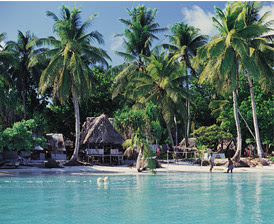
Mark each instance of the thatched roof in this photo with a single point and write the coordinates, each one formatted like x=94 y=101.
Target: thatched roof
x=99 y=130
x=191 y=143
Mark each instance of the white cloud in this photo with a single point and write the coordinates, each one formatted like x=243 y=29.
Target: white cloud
x=265 y=8
x=116 y=43
x=2 y=44
x=199 y=18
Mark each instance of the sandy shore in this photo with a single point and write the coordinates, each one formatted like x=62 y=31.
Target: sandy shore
x=125 y=170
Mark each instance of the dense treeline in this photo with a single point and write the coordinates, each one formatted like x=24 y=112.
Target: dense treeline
x=160 y=94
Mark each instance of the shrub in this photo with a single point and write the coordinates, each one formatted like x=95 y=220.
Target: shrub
x=209 y=136
x=19 y=137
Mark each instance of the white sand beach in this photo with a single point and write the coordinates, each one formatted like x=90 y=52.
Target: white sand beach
x=125 y=170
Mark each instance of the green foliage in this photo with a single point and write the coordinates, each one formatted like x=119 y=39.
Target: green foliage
x=209 y=136
x=129 y=120
x=10 y=104
x=100 y=99
x=265 y=112
x=202 y=95
x=139 y=143
x=71 y=57
x=201 y=150
x=19 y=137
x=138 y=35
x=139 y=32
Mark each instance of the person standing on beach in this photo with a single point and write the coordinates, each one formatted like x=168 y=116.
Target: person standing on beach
x=211 y=162
x=230 y=165
x=158 y=151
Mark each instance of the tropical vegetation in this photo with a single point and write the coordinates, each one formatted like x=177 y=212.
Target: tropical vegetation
x=213 y=89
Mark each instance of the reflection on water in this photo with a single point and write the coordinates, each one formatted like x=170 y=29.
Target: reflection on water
x=256 y=210
x=172 y=198
x=239 y=200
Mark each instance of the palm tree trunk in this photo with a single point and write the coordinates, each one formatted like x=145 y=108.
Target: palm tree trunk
x=176 y=129
x=170 y=135
x=187 y=127
x=139 y=161
x=255 y=121
x=74 y=157
x=23 y=92
x=237 y=155
x=24 y=104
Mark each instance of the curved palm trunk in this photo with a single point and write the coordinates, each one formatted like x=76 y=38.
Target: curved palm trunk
x=176 y=129
x=255 y=121
x=139 y=161
x=74 y=157
x=237 y=155
x=187 y=126
x=170 y=135
x=188 y=117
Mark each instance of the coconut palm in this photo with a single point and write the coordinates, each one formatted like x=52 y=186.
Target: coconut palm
x=138 y=36
x=21 y=74
x=161 y=84
x=6 y=58
x=261 y=52
x=223 y=55
x=8 y=105
x=185 y=42
x=71 y=58
x=139 y=144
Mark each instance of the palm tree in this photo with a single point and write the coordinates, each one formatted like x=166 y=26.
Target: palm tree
x=161 y=85
x=138 y=36
x=8 y=94
x=21 y=74
x=70 y=60
x=139 y=33
x=223 y=55
x=139 y=144
x=185 y=42
x=6 y=58
x=261 y=53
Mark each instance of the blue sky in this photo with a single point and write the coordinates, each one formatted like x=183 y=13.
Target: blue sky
x=31 y=16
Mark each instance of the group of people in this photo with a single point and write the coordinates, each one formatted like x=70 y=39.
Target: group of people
x=230 y=164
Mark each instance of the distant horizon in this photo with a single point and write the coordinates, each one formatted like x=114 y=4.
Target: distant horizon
x=30 y=16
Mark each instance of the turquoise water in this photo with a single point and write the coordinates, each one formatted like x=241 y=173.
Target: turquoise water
x=162 y=198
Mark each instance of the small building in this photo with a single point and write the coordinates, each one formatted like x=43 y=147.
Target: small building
x=100 y=139
x=56 y=146
x=190 y=150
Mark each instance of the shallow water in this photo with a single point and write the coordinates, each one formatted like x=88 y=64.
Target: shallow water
x=162 y=198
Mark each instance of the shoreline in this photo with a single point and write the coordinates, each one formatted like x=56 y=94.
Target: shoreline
x=125 y=170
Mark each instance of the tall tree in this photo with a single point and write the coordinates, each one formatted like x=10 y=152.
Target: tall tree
x=161 y=85
x=6 y=59
x=185 y=42
x=22 y=76
x=138 y=36
x=261 y=52
x=70 y=61
x=223 y=55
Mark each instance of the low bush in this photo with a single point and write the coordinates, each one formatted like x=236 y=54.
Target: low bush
x=20 y=137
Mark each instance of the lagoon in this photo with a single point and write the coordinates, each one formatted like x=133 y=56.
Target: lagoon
x=174 y=197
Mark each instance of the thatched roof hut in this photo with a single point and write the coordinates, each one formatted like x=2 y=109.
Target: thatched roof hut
x=191 y=143
x=100 y=131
